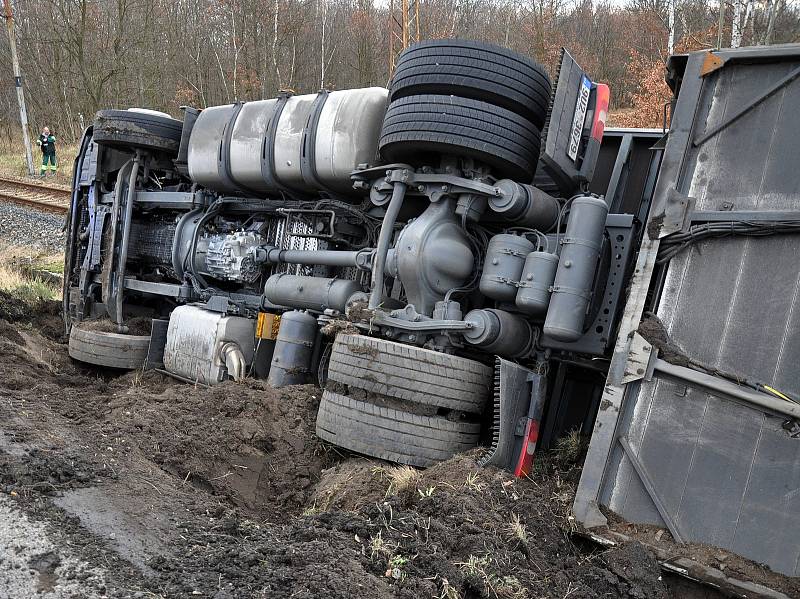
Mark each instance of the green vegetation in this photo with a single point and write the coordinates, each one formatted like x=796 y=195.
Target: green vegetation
x=19 y=278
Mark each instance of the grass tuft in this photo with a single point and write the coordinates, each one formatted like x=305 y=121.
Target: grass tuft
x=15 y=265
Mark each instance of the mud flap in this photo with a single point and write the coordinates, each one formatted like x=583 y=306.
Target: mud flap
x=158 y=341
x=519 y=395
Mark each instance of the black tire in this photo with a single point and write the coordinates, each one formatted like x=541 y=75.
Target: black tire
x=113 y=350
x=474 y=70
x=410 y=373
x=391 y=434
x=419 y=129
x=125 y=130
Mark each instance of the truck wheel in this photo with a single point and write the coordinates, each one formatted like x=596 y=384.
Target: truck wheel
x=126 y=129
x=410 y=373
x=391 y=434
x=474 y=70
x=113 y=350
x=419 y=129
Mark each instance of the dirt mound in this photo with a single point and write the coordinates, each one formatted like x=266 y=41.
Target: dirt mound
x=180 y=490
x=12 y=308
x=250 y=443
x=136 y=326
x=452 y=531
x=46 y=472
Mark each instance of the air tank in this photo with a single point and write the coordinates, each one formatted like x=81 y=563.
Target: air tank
x=502 y=268
x=340 y=129
x=538 y=274
x=580 y=250
x=294 y=347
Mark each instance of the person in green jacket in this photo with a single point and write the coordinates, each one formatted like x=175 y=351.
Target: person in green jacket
x=47 y=143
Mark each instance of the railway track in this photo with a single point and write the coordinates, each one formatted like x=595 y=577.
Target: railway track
x=36 y=195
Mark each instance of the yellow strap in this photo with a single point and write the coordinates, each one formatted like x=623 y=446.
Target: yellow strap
x=776 y=392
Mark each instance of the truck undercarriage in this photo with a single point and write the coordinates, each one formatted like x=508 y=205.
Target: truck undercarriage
x=455 y=263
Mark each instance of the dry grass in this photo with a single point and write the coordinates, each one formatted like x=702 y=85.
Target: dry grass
x=517 y=529
x=501 y=587
x=15 y=282
x=400 y=477
x=12 y=162
x=570 y=447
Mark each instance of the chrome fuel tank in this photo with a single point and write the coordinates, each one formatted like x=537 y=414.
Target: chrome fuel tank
x=335 y=133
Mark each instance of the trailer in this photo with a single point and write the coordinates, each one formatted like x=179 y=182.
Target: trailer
x=698 y=423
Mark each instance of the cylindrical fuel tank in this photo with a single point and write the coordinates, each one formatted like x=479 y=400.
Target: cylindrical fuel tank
x=339 y=130
x=580 y=250
x=247 y=141
x=538 y=275
x=499 y=332
x=309 y=293
x=205 y=149
x=505 y=257
x=294 y=347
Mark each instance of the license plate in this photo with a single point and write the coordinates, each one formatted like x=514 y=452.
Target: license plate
x=579 y=117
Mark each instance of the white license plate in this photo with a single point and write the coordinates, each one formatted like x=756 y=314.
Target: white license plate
x=579 y=117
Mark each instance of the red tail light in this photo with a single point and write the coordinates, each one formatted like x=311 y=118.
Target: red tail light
x=525 y=460
x=601 y=111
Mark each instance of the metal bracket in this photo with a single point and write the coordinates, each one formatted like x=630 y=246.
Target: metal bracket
x=719 y=386
x=711 y=62
x=644 y=476
x=640 y=357
x=308 y=162
x=675 y=217
x=783 y=82
x=433 y=185
x=381 y=318
x=450 y=184
x=747 y=216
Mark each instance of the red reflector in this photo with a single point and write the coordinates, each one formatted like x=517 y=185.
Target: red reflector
x=601 y=111
x=525 y=460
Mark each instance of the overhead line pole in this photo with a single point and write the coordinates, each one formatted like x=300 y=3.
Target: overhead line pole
x=403 y=28
x=23 y=113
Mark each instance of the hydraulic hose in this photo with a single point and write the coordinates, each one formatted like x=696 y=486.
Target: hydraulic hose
x=384 y=240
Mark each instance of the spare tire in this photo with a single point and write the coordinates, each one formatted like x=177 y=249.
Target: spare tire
x=391 y=433
x=419 y=130
x=128 y=129
x=113 y=350
x=474 y=70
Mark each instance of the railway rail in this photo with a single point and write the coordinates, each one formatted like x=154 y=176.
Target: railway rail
x=36 y=195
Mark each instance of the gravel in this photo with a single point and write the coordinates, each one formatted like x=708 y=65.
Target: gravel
x=32 y=565
x=27 y=226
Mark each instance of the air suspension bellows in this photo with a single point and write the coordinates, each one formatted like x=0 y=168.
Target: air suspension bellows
x=524 y=205
x=580 y=250
x=499 y=332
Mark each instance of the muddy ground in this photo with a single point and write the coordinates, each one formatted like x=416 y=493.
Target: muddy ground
x=136 y=485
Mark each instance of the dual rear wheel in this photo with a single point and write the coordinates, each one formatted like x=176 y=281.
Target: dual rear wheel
x=470 y=100
x=402 y=403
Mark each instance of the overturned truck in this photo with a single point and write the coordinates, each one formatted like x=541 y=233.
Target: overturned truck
x=463 y=258
x=414 y=250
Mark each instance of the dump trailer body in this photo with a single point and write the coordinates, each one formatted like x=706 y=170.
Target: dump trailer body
x=679 y=441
